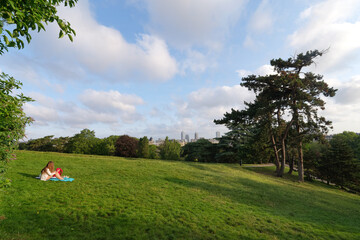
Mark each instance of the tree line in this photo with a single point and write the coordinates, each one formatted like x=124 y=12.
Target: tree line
x=85 y=142
x=335 y=161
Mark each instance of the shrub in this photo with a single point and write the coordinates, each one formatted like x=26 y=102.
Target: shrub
x=126 y=146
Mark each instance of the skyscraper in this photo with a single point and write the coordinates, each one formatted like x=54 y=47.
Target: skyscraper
x=187 y=137
x=217 y=134
x=182 y=136
x=196 y=136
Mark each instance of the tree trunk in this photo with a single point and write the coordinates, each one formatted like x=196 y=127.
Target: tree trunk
x=300 y=163
x=291 y=165
x=283 y=158
x=277 y=162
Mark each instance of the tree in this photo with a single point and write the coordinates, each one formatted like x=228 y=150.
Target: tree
x=13 y=120
x=153 y=152
x=170 y=150
x=287 y=92
x=143 y=148
x=41 y=144
x=199 y=151
x=126 y=146
x=340 y=165
x=82 y=143
x=314 y=155
x=352 y=139
x=304 y=90
x=18 y=18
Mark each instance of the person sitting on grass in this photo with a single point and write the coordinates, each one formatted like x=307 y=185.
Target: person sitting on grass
x=48 y=171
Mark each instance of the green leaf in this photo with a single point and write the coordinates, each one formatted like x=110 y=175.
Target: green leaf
x=61 y=34
x=6 y=40
x=8 y=32
x=70 y=37
x=11 y=44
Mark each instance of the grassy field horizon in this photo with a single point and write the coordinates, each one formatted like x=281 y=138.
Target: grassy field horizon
x=119 y=198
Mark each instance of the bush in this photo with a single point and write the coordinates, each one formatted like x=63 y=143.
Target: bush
x=202 y=150
x=170 y=150
x=143 y=148
x=13 y=120
x=126 y=146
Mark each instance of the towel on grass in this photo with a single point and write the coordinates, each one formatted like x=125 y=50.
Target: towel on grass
x=66 y=179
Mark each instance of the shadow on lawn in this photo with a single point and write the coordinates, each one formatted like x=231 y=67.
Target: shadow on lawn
x=312 y=206
x=28 y=175
x=206 y=167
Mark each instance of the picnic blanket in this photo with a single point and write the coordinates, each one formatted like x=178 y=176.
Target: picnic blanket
x=66 y=179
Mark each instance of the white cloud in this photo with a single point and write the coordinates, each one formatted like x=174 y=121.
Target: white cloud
x=249 y=42
x=345 y=117
x=187 y=23
x=41 y=114
x=104 y=50
x=330 y=24
x=111 y=101
x=197 y=112
x=265 y=70
x=262 y=71
x=210 y=103
x=262 y=20
x=197 y=62
x=98 y=107
x=348 y=92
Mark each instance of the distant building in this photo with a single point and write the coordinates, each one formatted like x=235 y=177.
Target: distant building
x=196 y=136
x=187 y=138
x=214 y=141
x=329 y=137
x=217 y=134
x=182 y=136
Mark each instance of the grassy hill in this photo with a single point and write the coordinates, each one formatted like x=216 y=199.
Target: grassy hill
x=117 y=198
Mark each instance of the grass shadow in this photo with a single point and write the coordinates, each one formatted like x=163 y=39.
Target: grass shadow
x=28 y=175
x=278 y=201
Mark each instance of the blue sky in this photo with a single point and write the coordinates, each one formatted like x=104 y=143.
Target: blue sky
x=156 y=67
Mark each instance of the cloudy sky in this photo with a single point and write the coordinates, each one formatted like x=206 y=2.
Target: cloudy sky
x=157 y=67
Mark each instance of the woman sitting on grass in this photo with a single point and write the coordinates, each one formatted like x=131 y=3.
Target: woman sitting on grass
x=48 y=171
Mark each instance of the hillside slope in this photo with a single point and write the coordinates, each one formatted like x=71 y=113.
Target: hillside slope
x=116 y=198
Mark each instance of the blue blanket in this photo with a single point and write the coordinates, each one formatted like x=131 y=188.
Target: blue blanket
x=65 y=179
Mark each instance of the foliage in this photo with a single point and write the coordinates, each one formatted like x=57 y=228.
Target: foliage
x=82 y=143
x=334 y=161
x=352 y=139
x=126 y=146
x=105 y=146
x=13 y=120
x=314 y=157
x=153 y=152
x=113 y=198
x=143 y=148
x=288 y=91
x=44 y=144
x=340 y=166
x=170 y=150
x=18 y=18
x=200 y=151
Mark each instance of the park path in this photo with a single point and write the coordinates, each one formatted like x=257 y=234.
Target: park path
x=259 y=165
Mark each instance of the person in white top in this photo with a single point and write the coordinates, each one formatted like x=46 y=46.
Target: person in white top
x=49 y=171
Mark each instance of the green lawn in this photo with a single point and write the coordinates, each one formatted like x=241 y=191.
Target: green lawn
x=117 y=198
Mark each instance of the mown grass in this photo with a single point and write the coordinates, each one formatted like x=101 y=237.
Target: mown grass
x=117 y=198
